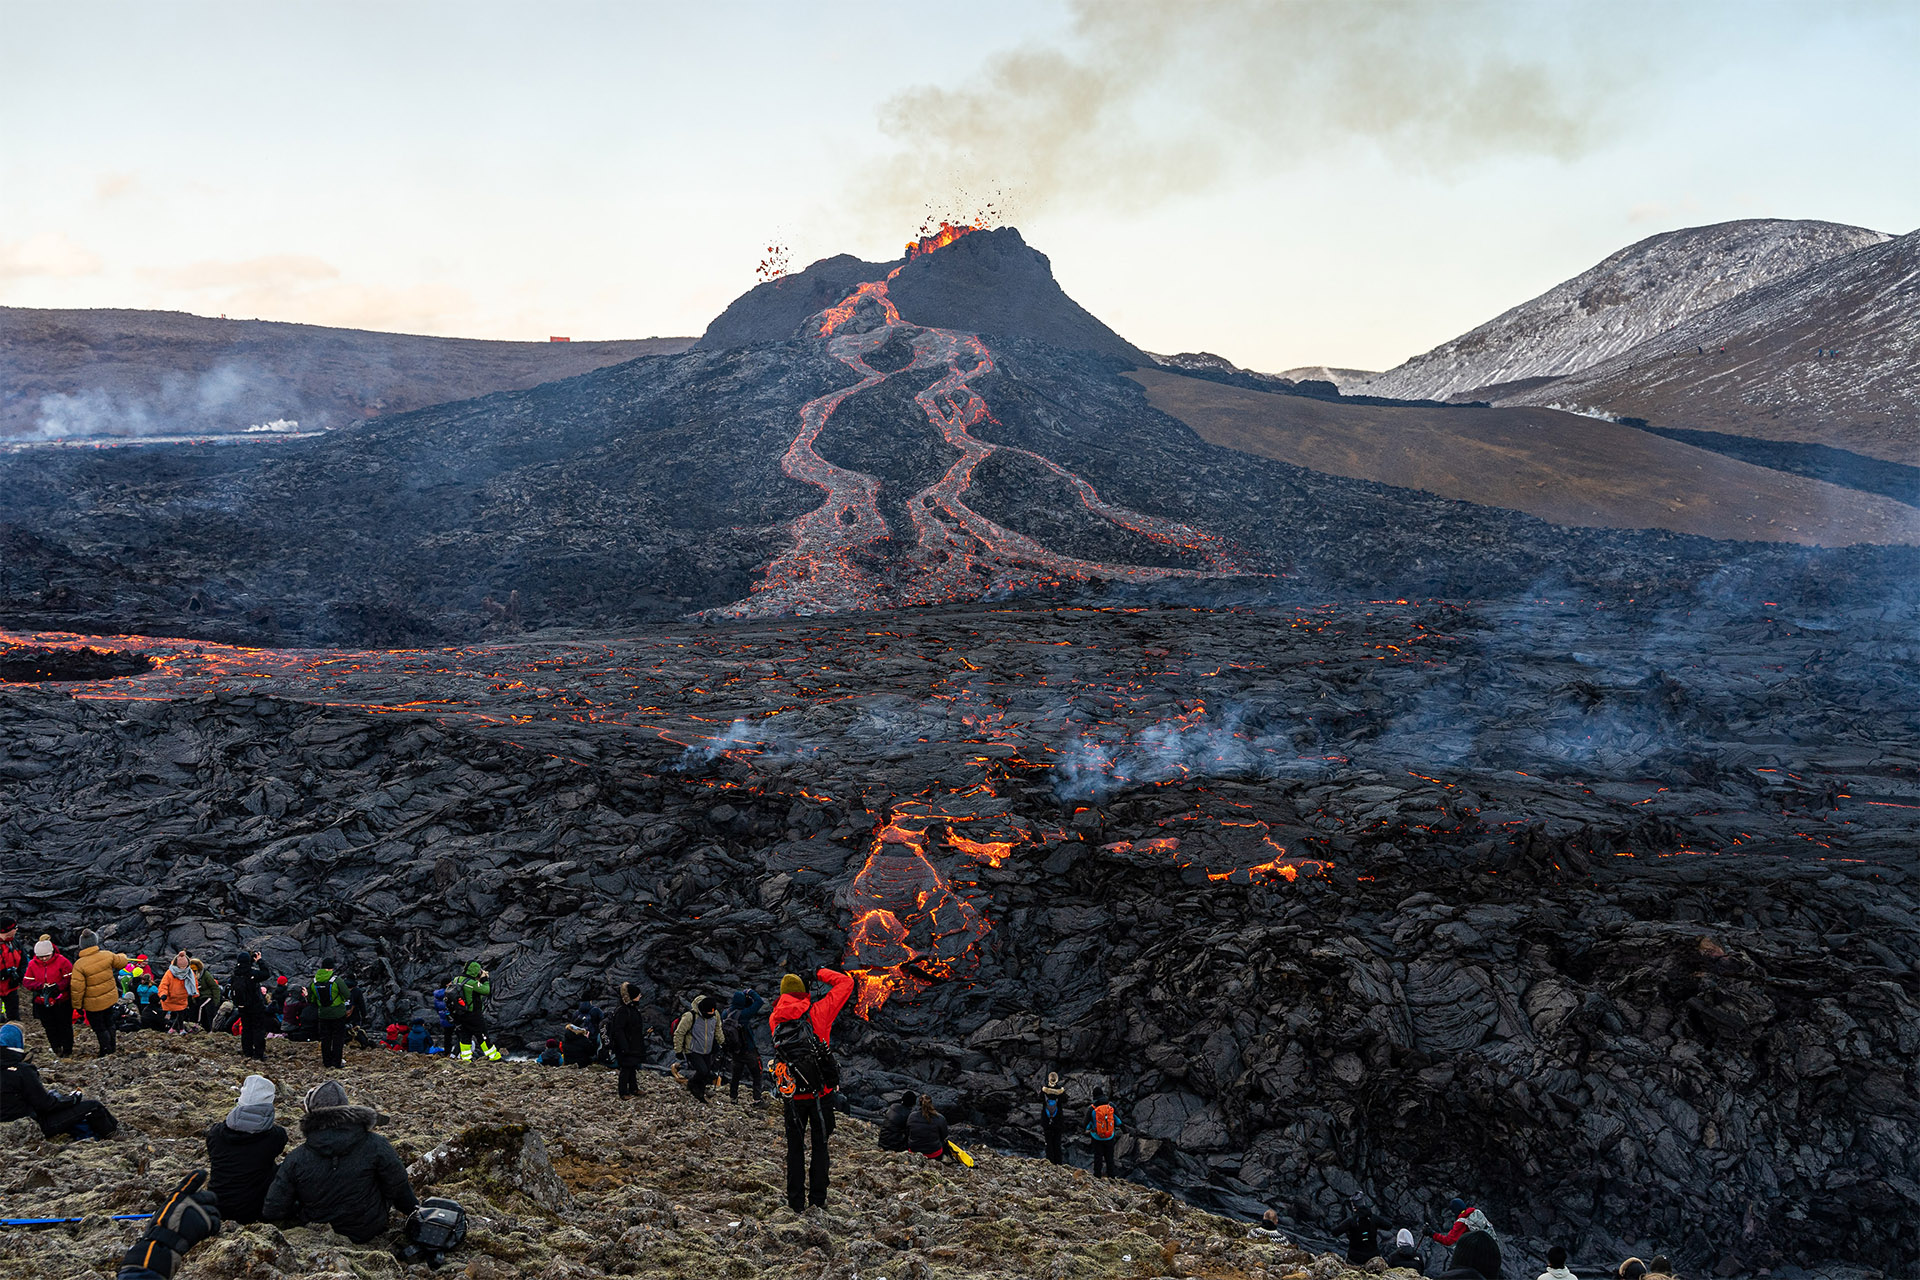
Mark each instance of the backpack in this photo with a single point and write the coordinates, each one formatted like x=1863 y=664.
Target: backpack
x=734 y=1027
x=1103 y=1122
x=457 y=996
x=434 y=1229
x=802 y=1061
x=1051 y=1109
x=329 y=993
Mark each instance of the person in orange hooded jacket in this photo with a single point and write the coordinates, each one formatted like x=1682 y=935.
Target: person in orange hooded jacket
x=804 y=1070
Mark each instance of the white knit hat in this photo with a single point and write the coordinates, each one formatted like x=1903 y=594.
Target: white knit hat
x=43 y=948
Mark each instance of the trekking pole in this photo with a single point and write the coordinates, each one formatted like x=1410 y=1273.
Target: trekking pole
x=55 y=1222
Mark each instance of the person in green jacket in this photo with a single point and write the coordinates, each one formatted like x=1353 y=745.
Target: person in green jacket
x=467 y=997
x=334 y=1003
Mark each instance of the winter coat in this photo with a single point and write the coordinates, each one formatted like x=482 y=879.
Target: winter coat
x=173 y=993
x=1053 y=1111
x=418 y=1039
x=627 y=1033
x=1479 y=1250
x=324 y=979
x=576 y=1046
x=470 y=986
x=1408 y=1256
x=893 y=1127
x=53 y=976
x=820 y=1013
x=147 y=991
x=241 y=1168
x=13 y=963
x=21 y=1093
x=698 y=1033
x=249 y=976
x=1557 y=1273
x=1362 y=1231
x=344 y=1175
x=95 y=983
x=1471 y=1220
x=440 y=1008
x=926 y=1135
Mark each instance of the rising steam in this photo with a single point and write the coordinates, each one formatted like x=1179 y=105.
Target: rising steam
x=1151 y=100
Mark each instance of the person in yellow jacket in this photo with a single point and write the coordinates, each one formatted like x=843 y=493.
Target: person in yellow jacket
x=95 y=987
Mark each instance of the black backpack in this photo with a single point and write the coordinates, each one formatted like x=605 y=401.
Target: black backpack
x=802 y=1061
x=435 y=1229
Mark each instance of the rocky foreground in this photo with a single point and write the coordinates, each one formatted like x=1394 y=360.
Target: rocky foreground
x=562 y=1180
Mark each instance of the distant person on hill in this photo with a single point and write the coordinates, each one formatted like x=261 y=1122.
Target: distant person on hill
x=332 y=1007
x=807 y=1076
x=13 y=968
x=698 y=1042
x=467 y=997
x=893 y=1124
x=23 y=1096
x=179 y=986
x=550 y=1055
x=48 y=984
x=1362 y=1230
x=249 y=983
x=743 y=1048
x=1053 y=1118
x=94 y=988
x=344 y=1174
x=927 y=1130
x=627 y=1034
x=1103 y=1128
x=1557 y=1265
x=243 y=1152
x=1404 y=1254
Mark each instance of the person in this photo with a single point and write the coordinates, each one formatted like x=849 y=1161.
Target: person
x=1475 y=1250
x=445 y=1015
x=893 y=1125
x=344 y=1174
x=94 y=989
x=802 y=1030
x=698 y=1041
x=395 y=1039
x=332 y=1005
x=1053 y=1118
x=13 y=967
x=1631 y=1269
x=419 y=1039
x=146 y=997
x=243 y=1151
x=202 y=1008
x=1459 y=1210
x=178 y=987
x=22 y=1095
x=48 y=986
x=743 y=1051
x=277 y=1002
x=1660 y=1265
x=1269 y=1228
x=551 y=1056
x=1103 y=1127
x=590 y=1017
x=1557 y=1265
x=927 y=1130
x=467 y=1000
x=189 y=1216
x=224 y=1020
x=249 y=982
x=627 y=1033
x=1362 y=1231
x=576 y=1045
x=1404 y=1254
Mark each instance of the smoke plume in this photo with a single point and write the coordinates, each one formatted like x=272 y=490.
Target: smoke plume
x=1150 y=100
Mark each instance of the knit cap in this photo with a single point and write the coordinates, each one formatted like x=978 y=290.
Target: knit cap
x=793 y=985
x=88 y=938
x=326 y=1094
x=11 y=1037
x=254 y=1112
x=43 y=948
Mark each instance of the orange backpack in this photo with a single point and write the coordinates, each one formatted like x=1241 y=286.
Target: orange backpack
x=1103 y=1122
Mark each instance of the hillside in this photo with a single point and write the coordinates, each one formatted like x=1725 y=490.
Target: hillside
x=1754 y=365
x=1631 y=296
x=134 y=373
x=563 y=1180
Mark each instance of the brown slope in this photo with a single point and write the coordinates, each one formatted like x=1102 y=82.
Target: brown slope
x=1561 y=467
x=143 y=372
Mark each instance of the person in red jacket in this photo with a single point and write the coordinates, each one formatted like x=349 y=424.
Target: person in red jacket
x=12 y=964
x=48 y=987
x=807 y=1076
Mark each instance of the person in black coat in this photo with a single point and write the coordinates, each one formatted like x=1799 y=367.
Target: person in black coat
x=22 y=1095
x=250 y=976
x=244 y=1149
x=627 y=1034
x=927 y=1131
x=344 y=1174
x=893 y=1125
x=1053 y=1118
x=1362 y=1230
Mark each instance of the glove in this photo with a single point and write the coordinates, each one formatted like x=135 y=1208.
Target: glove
x=188 y=1217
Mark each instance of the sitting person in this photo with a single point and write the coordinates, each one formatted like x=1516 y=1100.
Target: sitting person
x=576 y=1045
x=23 y=1095
x=243 y=1151
x=893 y=1125
x=344 y=1174
x=927 y=1131
x=1660 y=1265
x=395 y=1039
x=1403 y=1253
x=551 y=1055
x=1631 y=1269
x=419 y=1039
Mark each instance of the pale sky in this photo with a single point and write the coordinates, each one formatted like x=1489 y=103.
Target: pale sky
x=1282 y=183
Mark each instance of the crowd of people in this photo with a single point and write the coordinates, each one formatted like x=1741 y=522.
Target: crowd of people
x=1471 y=1244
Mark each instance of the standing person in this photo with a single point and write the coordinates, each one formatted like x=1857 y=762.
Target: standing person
x=178 y=987
x=12 y=969
x=1103 y=1126
x=803 y=1066
x=1053 y=1118
x=1557 y=1265
x=205 y=1005
x=23 y=1095
x=467 y=999
x=592 y=1019
x=242 y=1151
x=698 y=1040
x=332 y=1004
x=743 y=1053
x=250 y=997
x=48 y=984
x=1362 y=1230
x=893 y=1125
x=927 y=1130
x=445 y=1014
x=344 y=1174
x=627 y=1033
x=94 y=988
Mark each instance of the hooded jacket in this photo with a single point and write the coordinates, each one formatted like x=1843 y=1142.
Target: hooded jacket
x=698 y=1032
x=893 y=1125
x=820 y=1013
x=627 y=1034
x=95 y=982
x=576 y=1046
x=249 y=977
x=1469 y=1220
x=1404 y=1254
x=1362 y=1231
x=22 y=1095
x=1557 y=1273
x=344 y=1175
x=338 y=985
x=470 y=986
x=418 y=1038
x=241 y=1168
x=52 y=975
x=12 y=962
x=176 y=990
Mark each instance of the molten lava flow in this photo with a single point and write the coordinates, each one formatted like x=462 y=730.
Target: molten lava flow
x=938 y=238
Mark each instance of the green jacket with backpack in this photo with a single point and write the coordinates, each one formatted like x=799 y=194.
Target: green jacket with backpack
x=331 y=999
x=467 y=993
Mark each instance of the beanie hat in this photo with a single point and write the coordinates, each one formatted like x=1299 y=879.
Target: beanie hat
x=11 y=1037
x=281 y=980
x=1557 y=1256
x=254 y=1112
x=9 y=924
x=43 y=948
x=88 y=938
x=552 y=1043
x=793 y=985
x=1456 y=1206
x=323 y=1095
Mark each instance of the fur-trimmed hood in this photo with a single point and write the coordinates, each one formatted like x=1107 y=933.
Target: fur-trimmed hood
x=338 y=1119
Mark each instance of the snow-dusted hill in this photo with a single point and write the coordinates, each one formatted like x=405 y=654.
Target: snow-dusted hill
x=1639 y=293
x=1830 y=355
